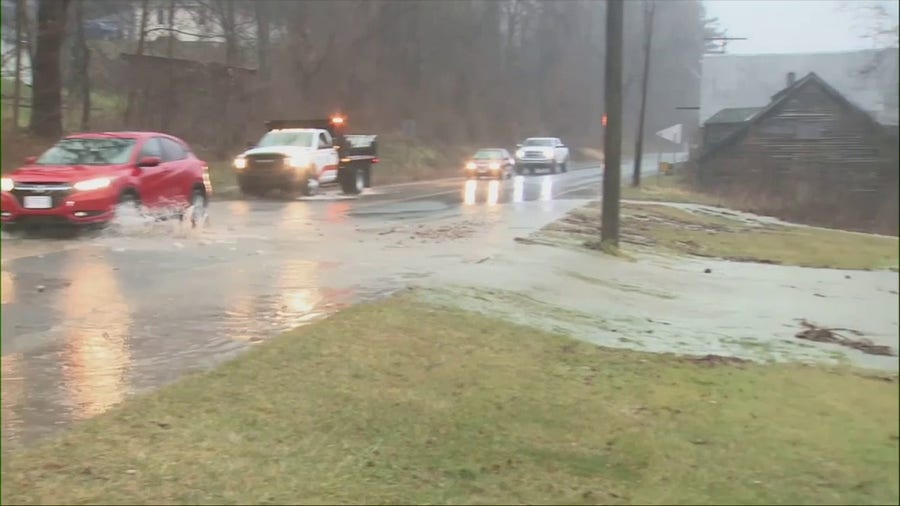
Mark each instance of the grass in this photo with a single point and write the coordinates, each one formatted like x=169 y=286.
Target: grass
x=673 y=188
x=685 y=232
x=399 y=402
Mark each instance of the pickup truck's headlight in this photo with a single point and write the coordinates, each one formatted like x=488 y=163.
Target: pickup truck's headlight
x=520 y=154
x=298 y=161
x=471 y=166
x=240 y=163
x=7 y=184
x=93 y=184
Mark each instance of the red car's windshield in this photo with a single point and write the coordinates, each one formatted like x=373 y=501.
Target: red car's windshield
x=88 y=151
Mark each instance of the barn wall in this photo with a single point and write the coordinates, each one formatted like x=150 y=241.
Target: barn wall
x=812 y=160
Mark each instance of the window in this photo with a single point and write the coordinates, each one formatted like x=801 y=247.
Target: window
x=539 y=142
x=489 y=154
x=286 y=138
x=151 y=148
x=171 y=150
x=88 y=151
x=324 y=140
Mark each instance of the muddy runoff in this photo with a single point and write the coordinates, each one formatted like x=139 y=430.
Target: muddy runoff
x=92 y=319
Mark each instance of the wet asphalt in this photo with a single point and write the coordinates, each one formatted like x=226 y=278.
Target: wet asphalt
x=91 y=319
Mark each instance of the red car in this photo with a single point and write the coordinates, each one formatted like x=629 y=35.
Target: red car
x=84 y=178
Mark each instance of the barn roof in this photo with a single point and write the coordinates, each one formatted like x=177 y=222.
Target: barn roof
x=733 y=115
x=782 y=97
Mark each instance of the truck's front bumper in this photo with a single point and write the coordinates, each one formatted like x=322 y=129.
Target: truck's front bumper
x=287 y=178
x=535 y=164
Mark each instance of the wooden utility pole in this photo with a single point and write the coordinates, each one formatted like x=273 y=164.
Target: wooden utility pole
x=612 y=139
x=649 y=8
x=17 y=85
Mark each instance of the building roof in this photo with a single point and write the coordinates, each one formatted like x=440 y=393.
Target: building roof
x=733 y=115
x=780 y=98
x=867 y=78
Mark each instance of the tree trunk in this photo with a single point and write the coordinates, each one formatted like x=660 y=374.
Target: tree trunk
x=230 y=29
x=85 y=59
x=46 y=102
x=170 y=107
x=142 y=35
x=17 y=86
x=170 y=44
x=263 y=31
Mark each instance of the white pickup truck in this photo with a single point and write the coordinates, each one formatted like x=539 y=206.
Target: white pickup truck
x=542 y=153
x=299 y=156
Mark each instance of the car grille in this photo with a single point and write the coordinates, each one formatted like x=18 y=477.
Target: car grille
x=263 y=164
x=534 y=154
x=57 y=191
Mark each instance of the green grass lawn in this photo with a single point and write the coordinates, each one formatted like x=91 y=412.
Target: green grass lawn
x=686 y=232
x=672 y=230
x=399 y=402
x=672 y=188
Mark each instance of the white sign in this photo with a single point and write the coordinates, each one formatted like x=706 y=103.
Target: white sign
x=671 y=134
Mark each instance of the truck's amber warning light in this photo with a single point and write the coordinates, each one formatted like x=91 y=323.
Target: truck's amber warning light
x=337 y=120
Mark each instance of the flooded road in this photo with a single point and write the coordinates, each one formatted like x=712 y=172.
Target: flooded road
x=90 y=320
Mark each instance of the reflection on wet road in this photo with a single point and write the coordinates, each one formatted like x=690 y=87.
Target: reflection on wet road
x=90 y=320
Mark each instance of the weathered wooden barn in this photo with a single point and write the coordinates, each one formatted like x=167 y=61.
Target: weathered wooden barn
x=810 y=155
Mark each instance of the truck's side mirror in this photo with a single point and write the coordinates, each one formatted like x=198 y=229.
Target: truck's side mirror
x=251 y=144
x=30 y=160
x=518 y=145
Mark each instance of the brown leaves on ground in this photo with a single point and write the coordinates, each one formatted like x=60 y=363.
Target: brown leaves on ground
x=714 y=360
x=812 y=332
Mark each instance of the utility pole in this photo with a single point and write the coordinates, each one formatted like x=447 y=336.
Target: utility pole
x=649 y=8
x=612 y=138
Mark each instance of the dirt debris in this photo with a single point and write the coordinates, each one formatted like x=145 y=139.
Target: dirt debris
x=423 y=233
x=713 y=360
x=812 y=332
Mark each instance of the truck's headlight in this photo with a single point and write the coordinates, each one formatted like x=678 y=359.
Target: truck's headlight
x=520 y=154
x=471 y=166
x=93 y=184
x=298 y=161
x=240 y=163
x=7 y=184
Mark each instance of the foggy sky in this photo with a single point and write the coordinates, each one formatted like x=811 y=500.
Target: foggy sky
x=795 y=26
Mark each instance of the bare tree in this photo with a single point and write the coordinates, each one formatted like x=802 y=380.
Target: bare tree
x=84 y=72
x=17 y=86
x=142 y=37
x=46 y=105
x=263 y=32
